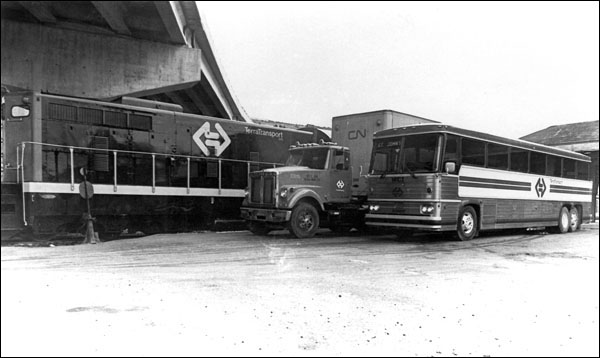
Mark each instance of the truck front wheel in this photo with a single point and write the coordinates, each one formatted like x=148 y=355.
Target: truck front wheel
x=304 y=221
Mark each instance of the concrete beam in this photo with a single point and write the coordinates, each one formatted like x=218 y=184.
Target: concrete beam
x=199 y=102
x=40 y=10
x=173 y=19
x=68 y=62
x=113 y=15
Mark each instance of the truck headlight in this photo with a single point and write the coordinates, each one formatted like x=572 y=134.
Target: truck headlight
x=283 y=193
x=427 y=209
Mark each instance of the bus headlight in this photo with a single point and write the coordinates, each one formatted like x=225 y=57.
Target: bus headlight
x=427 y=209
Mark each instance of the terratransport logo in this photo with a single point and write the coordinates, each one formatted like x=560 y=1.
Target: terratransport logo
x=259 y=131
x=206 y=139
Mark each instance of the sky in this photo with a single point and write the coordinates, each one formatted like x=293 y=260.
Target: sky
x=505 y=68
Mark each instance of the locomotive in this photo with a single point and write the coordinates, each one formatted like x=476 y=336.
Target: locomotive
x=153 y=168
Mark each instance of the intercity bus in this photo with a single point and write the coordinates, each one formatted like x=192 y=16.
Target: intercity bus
x=441 y=178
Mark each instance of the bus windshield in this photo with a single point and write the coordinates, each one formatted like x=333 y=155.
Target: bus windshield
x=407 y=154
x=315 y=158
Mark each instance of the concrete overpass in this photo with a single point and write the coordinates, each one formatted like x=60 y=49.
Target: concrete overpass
x=157 y=50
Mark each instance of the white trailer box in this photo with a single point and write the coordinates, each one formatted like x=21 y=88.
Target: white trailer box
x=355 y=131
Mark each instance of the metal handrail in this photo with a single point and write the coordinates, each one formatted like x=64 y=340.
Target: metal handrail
x=153 y=155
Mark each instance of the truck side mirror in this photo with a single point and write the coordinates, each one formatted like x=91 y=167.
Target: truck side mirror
x=450 y=167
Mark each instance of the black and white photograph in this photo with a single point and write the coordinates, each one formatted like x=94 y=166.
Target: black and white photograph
x=300 y=179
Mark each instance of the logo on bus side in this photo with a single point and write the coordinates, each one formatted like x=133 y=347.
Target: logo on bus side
x=540 y=187
x=211 y=139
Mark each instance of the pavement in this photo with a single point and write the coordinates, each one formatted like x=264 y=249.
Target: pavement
x=526 y=293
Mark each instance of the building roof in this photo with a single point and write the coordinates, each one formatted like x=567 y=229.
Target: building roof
x=582 y=136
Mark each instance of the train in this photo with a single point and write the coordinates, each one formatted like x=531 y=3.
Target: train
x=152 y=167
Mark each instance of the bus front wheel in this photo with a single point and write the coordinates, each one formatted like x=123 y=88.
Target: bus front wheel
x=467 y=224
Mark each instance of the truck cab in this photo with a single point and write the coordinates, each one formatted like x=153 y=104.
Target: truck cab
x=314 y=189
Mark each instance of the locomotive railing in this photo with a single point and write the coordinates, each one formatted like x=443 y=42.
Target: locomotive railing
x=83 y=156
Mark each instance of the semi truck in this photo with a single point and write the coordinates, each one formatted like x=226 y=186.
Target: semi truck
x=322 y=184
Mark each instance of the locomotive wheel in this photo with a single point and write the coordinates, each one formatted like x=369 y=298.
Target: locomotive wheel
x=467 y=224
x=304 y=221
x=575 y=223
x=564 y=220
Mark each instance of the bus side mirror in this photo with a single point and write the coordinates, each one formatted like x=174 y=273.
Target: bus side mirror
x=450 y=167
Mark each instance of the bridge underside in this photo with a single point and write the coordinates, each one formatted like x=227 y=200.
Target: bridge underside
x=152 y=50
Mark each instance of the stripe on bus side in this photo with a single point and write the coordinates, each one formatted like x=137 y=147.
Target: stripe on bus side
x=477 y=182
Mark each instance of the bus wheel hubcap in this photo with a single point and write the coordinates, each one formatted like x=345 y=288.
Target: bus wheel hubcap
x=467 y=223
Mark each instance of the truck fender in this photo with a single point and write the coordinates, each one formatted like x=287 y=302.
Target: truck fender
x=305 y=193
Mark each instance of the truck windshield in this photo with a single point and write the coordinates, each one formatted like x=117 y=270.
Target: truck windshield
x=314 y=158
x=408 y=154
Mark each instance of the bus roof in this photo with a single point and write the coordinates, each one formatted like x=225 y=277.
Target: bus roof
x=443 y=128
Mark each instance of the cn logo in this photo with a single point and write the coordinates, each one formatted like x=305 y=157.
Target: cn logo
x=357 y=133
x=540 y=187
x=340 y=184
x=204 y=138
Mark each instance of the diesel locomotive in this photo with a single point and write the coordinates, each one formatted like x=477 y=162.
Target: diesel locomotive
x=153 y=168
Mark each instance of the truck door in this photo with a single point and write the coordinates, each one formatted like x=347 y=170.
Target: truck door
x=340 y=180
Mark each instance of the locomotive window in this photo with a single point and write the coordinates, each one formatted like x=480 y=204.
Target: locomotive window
x=137 y=121
x=19 y=111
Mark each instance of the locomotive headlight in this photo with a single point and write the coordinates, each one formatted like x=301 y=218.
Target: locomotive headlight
x=427 y=209
x=283 y=193
x=373 y=207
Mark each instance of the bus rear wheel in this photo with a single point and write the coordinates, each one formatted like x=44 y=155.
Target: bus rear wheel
x=575 y=223
x=564 y=220
x=467 y=224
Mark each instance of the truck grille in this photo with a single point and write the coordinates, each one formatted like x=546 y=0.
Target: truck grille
x=262 y=187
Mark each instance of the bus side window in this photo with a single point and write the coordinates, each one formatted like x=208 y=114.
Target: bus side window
x=519 y=160
x=473 y=152
x=569 y=169
x=451 y=152
x=553 y=166
x=497 y=156
x=583 y=170
x=537 y=164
